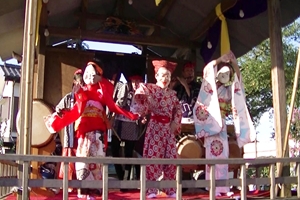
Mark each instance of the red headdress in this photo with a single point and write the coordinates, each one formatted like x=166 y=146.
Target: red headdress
x=189 y=65
x=97 y=67
x=78 y=71
x=135 y=77
x=164 y=63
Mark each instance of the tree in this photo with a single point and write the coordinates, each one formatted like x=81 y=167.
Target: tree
x=256 y=71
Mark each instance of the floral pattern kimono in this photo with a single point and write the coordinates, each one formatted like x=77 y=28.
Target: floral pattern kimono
x=160 y=142
x=214 y=102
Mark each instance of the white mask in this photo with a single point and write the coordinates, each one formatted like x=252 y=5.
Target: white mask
x=90 y=76
x=163 y=77
x=223 y=75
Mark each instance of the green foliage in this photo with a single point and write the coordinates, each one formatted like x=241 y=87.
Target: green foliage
x=256 y=71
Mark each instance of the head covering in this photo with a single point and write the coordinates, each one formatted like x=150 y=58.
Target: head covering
x=164 y=63
x=78 y=71
x=189 y=65
x=135 y=77
x=97 y=67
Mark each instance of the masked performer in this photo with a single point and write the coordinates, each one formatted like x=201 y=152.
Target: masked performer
x=165 y=122
x=70 y=142
x=91 y=123
x=221 y=93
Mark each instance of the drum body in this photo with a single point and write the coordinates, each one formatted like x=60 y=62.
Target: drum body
x=40 y=134
x=188 y=146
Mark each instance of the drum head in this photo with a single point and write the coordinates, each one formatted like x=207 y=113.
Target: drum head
x=40 y=134
x=189 y=147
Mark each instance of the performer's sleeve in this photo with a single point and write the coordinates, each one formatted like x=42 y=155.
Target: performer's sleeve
x=140 y=101
x=63 y=103
x=55 y=123
x=177 y=115
x=108 y=100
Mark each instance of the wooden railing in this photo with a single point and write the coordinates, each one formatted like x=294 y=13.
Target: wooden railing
x=105 y=184
x=8 y=169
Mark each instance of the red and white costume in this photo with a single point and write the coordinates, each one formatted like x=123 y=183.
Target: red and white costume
x=160 y=142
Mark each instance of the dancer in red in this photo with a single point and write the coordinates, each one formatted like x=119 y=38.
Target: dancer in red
x=165 y=122
x=90 y=119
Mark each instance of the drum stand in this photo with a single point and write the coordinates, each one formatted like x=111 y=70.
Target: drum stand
x=44 y=150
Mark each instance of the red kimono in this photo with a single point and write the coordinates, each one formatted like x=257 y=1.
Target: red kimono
x=91 y=124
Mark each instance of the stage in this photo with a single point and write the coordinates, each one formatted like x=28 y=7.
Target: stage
x=190 y=194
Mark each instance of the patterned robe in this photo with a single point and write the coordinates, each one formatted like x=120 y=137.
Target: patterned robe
x=160 y=142
x=214 y=102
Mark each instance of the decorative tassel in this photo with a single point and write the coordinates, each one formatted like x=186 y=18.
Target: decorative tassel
x=225 y=44
x=242 y=14
x=157 y=2
x=209 y=45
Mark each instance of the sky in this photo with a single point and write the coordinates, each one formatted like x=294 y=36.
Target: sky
x=264 y=128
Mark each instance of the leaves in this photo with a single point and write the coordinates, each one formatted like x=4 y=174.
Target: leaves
x=256 y=71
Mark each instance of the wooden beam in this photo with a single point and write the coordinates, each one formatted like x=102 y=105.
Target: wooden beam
x=165 y=8
x=211 y=19
x=82 y=20
x=278 y=86
x=119 y=8
x=121 y=39
x=99 y=17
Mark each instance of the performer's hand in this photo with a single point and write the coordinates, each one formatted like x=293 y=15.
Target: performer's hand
x=144 y=120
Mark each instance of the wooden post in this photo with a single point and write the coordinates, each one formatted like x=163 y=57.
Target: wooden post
x=41 y=55
x=278 y=84
x=26 y=82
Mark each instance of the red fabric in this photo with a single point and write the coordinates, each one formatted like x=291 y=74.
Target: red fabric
x=78 y=71
x=161 y=119
x=189 y=65
x=135 y=195
x=68 y=152
x=164 y=63
x=136 y=77
x=102 y=93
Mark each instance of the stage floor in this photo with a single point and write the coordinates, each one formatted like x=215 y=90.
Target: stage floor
x=190 y=194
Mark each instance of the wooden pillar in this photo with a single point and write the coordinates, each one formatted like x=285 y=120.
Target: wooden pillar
x=38 y=89
x=26 y=85
x=278 y=85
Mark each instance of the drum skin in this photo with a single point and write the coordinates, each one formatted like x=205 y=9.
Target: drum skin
x=40 y=134
x=189 y=147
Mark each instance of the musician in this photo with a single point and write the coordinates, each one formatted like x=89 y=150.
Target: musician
x=91 y=122
x=126 y=130
x=70 y=142
x=221 y=93
x=165 y=122
x=187 y=90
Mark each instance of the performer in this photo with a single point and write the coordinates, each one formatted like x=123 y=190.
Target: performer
x=127 y=130
x=91 y=122
x=164 y=123
x=221 y=93
x=70 y=142
x=187 y=90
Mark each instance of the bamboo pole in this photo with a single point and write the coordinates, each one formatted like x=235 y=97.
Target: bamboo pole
x=26 y=80
x=290 y=115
